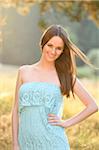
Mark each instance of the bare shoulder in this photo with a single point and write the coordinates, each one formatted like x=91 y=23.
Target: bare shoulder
x=24 y=68
x=21 y=71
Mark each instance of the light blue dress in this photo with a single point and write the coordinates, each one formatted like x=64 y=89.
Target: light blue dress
x=36 y=101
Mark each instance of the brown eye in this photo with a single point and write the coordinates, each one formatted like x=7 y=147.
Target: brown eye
x=59 y=48
x=49 y=45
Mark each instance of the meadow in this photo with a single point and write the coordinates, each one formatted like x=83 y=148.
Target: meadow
x=83 y=136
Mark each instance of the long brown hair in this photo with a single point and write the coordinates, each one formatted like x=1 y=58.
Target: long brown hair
x=65 y=63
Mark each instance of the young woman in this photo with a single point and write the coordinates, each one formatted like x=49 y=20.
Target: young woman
x=40 y=87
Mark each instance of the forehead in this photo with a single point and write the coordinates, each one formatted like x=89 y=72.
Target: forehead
x=56 y=40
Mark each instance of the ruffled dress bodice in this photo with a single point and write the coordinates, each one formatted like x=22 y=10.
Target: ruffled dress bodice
x=40 y=94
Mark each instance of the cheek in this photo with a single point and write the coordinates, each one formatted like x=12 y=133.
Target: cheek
x=46 y=50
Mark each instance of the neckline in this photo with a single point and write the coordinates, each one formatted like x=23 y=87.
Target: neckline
x=41 y=82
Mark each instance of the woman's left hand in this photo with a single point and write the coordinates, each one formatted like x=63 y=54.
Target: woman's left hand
x=56 y=120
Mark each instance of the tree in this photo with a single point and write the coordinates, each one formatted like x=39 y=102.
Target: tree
x=76 y=10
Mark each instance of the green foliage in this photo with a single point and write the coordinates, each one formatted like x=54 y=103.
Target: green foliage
x=85 y=71
x=88 y=35
x=93 y=55
x=75 y=10
x=94 y=58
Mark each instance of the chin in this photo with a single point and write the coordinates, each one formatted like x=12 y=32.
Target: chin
x=50 y=58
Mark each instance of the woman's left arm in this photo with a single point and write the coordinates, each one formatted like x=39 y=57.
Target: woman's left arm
x=87 y=100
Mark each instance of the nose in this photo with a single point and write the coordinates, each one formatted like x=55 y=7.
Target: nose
x=53 y=50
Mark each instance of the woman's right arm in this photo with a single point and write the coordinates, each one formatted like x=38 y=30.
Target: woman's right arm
x=15 y=117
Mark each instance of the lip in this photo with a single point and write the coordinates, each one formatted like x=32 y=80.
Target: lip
x=51 y=56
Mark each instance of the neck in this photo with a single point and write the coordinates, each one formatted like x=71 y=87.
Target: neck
x=46 y=65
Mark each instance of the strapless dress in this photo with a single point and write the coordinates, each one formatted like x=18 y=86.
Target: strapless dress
x=36 y=101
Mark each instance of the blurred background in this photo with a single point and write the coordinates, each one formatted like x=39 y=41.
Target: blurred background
x=22 y=23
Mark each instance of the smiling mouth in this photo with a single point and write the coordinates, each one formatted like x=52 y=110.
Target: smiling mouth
x=50 y=55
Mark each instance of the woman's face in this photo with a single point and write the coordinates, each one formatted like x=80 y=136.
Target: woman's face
x=53 y=48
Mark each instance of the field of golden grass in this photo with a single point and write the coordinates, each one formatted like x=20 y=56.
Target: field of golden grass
x=83 y=136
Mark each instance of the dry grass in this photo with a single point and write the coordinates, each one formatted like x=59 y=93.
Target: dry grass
x=83 y=136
